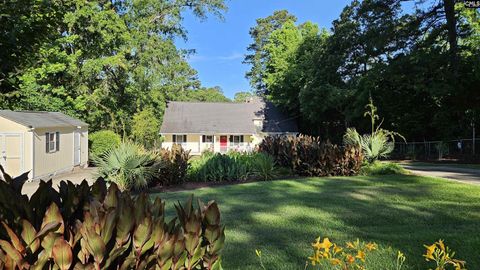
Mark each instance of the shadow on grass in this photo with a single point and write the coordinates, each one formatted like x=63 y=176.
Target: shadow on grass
x=282 y=218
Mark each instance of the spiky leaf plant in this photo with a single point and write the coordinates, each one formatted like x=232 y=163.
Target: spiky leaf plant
x=378 y=144
x=128 y=165
x=105 y=229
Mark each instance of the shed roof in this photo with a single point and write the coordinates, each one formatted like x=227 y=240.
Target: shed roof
x=224 y=117
x=37 y=119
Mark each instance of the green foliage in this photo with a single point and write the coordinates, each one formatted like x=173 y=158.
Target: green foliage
x=220 y=167
x=82 y=227
x=101 y=61
x=260 y=34
x=264 y=166
x=309 y=156
x=420 y=64
x=241 y=97
x=102 y=141
x=175 y=166
x=214 y=94
x=232 y=167
x=382 y=168
x=145 y=128
x=375 y=146
x=128 y=165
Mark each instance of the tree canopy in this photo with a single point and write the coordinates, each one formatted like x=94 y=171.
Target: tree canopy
x=102 y=61
x=420 y=65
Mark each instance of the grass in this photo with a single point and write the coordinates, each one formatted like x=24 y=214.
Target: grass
x=382 y=168
x=399 y=212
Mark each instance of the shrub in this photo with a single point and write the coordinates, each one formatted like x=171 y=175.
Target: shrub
x=128 y=165
x=233 y=166
x=220 y=167
x=308 y=156
x=382 y=168
x=375 y=146
x=145 y=127
x=264 y=166
x=378 y=144
x=174 y=166
x=82 y=227
x=102 y=141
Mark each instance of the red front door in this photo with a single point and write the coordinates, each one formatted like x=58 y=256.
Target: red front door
x=223 y=143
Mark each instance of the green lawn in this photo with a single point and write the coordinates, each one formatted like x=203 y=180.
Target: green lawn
x=282 y=218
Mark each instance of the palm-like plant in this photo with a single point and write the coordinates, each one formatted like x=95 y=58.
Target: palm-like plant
x=379 y=144
x=128 y=165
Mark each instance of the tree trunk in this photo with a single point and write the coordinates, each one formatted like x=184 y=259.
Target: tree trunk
x=449 y=7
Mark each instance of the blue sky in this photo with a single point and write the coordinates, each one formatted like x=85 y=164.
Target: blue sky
x=221 y=45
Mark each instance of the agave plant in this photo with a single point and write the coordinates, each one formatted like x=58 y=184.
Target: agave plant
x=129 y=166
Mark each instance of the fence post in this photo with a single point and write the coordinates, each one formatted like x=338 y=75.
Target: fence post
x=473 y=138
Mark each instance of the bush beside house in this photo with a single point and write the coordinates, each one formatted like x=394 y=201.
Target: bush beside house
x=102 y=141
x=232 y=167
x=309 y=156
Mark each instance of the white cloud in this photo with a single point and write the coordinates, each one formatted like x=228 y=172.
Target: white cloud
x=202 y=58
x=233 y=56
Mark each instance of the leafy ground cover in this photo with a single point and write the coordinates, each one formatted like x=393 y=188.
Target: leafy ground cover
x=398 y=212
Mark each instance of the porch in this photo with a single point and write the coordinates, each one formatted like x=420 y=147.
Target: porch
x=218 y=143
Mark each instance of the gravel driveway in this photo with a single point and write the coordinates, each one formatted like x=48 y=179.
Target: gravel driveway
x=77 y=176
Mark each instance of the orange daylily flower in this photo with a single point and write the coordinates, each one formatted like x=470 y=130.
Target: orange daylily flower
x=429 y=253
x=336 y=249
x=360 y=255
x=350 y=259
x=350 y=245
x=441 y=245
x=335 y=261
x=371 y=246
x=326 y=244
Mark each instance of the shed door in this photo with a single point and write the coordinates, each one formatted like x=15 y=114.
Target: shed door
x=76 y=148
x=11 y=149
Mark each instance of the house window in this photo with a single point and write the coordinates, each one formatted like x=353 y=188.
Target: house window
x=207 y=138
x=236 y=139
x=52 y=140
x=179 y=139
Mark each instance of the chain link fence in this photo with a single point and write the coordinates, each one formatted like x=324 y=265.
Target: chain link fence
x=462 y=149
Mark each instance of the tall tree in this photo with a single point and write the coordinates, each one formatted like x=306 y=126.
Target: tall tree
x=205 y=94
x=260 y=34
x=108 y=60
x=24 y=26
x=243 y=96
x=420 y=66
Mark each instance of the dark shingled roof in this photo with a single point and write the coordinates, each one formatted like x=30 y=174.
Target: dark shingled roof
x=229 y=118
x=41 y=119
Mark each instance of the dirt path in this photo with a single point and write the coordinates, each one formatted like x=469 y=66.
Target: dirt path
x=465 y=175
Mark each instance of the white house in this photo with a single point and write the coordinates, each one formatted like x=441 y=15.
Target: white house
x=42 y=143
x=222 y=126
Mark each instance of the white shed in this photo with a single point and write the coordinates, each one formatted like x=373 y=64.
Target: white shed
x=42 y=143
